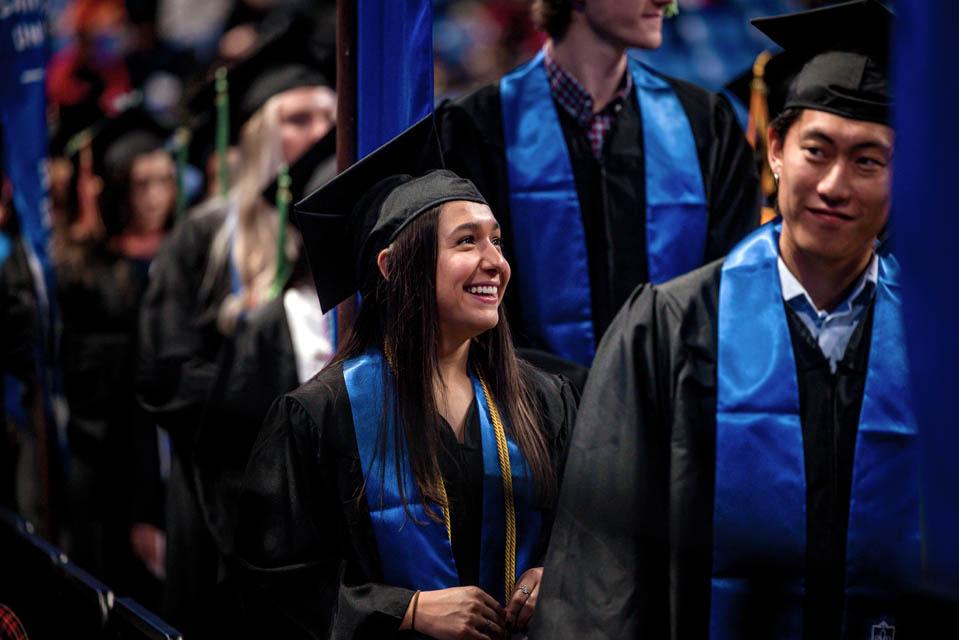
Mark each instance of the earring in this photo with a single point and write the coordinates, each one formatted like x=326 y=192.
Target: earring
x=776 y=177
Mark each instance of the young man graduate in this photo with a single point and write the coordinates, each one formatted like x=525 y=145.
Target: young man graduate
x=744 y=465
x=604 y=173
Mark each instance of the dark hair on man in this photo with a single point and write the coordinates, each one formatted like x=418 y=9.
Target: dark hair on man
x=782 y=123
x=400 y=315
x=552 y=16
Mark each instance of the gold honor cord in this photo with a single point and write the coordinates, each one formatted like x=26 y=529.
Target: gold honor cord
x=447 y=519
x=509 y=506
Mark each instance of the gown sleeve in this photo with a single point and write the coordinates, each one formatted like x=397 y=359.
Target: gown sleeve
x=609 y=537
x=177 y=350
x=287 y=556
x=306 y=551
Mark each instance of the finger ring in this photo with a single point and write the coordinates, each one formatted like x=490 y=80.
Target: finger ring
x=524 y=589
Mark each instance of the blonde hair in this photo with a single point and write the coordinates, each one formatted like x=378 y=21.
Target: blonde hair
x=254 y=237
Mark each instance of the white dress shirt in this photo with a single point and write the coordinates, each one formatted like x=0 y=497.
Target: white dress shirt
x=831 y=330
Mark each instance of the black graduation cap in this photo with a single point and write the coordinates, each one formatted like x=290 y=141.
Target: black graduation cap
x=846 y=52
x=299 y=52
x=348 y=221
x=116 y=140
x=312 y=170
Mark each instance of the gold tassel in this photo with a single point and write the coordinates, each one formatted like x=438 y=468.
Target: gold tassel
x=757 y=126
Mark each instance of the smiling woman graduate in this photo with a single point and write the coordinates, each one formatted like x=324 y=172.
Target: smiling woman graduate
x=408 y=486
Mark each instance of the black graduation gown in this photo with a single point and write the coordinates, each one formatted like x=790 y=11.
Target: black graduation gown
x=211 y=392
x=256 y=366
x=179 y=347
x=306 y=546
x=631 y=553
x=611 y=197
x=114 y=472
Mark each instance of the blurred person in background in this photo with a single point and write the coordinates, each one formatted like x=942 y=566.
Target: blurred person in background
x=19 y=332
x=87 y=79
x=222 y=263
x=115 y=514
x=274 y=348
x=638 y=177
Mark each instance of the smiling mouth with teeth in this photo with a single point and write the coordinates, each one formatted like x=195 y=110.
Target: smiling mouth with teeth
x=485 y=290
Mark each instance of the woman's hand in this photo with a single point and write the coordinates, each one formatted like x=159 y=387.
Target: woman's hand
x=149 y=545
x=459 y=613
x=522 y=605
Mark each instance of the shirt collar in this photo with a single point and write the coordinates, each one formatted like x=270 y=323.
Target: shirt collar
x=572 y=96
x=793 y=291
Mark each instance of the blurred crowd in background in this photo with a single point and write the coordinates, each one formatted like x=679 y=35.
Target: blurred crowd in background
x=107 y=54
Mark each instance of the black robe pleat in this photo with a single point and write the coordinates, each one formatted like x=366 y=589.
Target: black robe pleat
x=305 y=544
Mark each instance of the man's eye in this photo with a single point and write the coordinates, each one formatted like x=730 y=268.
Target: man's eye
x=497 y=241
x=870 y=163
x=466 y=240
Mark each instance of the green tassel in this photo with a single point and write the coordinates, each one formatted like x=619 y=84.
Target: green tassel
x=222 y=129
x=282 y=209
x=671 y=10
x=181 y=144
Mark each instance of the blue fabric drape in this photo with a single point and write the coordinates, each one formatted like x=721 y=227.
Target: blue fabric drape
x=924 y=231
x=394 y=80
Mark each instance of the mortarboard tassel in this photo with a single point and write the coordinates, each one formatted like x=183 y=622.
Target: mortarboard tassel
x=757 y=125
x=671 y=10
x=282 y=208
x=222 y=129
x=181 y=144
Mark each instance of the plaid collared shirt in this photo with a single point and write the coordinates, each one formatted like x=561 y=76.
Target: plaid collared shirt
x=577 y=102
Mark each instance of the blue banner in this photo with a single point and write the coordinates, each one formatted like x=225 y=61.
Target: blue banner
x=924 y=230
x=24 y=50
x=394 y=69
x=23 y=56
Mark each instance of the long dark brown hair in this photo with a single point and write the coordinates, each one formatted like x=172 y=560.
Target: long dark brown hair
x=400 y=316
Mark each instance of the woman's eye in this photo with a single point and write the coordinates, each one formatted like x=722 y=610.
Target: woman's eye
x=298 y=119
x=815 y=152
x=466 y=240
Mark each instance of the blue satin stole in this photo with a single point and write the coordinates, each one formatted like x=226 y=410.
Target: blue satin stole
x=759 y=508
x=416 y=553
x=550 y=244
